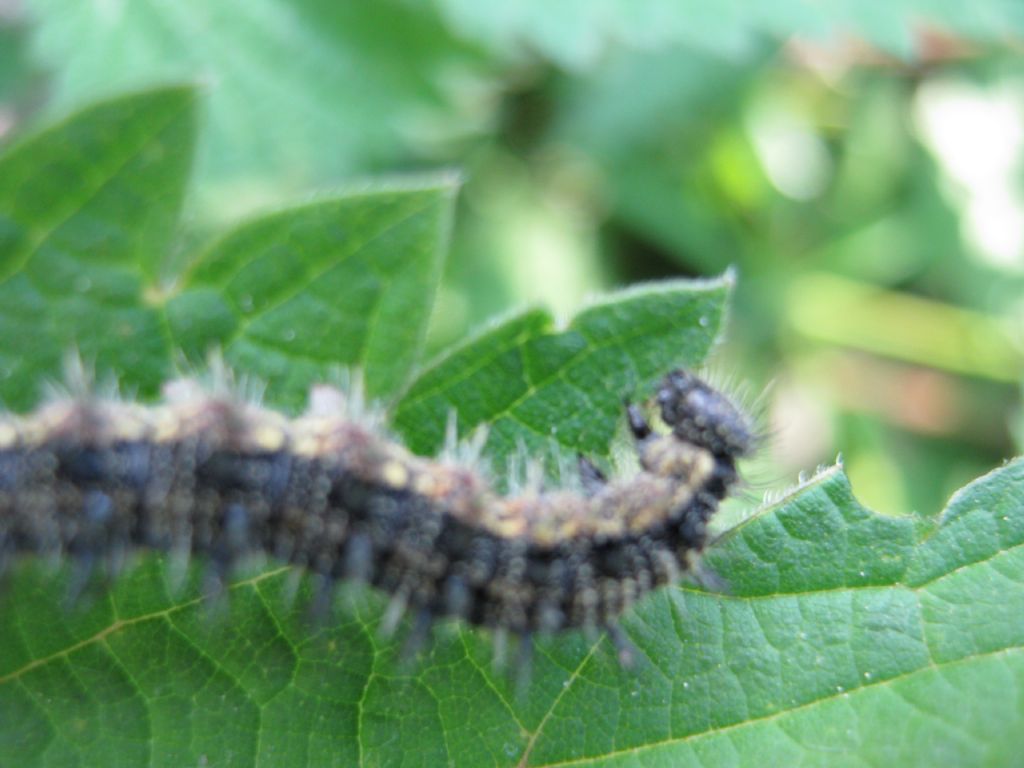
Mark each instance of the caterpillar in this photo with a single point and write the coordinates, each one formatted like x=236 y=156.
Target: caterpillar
x=91 y=478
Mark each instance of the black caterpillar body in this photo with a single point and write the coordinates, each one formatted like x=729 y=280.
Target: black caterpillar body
x=204 y=474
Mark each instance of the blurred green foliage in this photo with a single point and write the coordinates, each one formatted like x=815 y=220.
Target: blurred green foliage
x=860 y=163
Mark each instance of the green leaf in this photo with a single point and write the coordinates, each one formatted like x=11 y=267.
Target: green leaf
x=88 y=216
x=345 y=282
x=87 y=211
x=552 y=391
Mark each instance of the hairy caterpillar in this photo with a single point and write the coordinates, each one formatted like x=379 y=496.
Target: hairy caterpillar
x=205 y=474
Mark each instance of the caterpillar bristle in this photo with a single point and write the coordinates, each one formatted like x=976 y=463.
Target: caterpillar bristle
x=549 y=617
x=87 y=543
x=289 y=592
x=533 y=480
x=666 y=566
x=450 y=449
x=459 y=451
x=753 y=404
x=117 y=562
x=83 y=568
x=417 y=636
x=708 y=579
x=344 y=398
x=499 y=650
x=393 y=614
x=457 y=596
x=515 y=470
x=176 y=572
x=215 y=594
x=358 y=557
x=524 y=664
x=625 y=651
x=471 y=449
x=79 y=382
x=321 y=606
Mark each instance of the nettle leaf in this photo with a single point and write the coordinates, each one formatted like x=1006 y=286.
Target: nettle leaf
x=88 y=210
x=346 y=282
x=845 y=636
x=561 y=392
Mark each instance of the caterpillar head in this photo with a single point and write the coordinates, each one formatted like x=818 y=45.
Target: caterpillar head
x=704 y=416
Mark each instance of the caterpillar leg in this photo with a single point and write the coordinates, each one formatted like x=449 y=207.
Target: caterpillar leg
x=637 y=423
x=592 y=478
